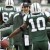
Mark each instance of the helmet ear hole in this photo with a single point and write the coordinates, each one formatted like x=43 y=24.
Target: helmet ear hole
x=9 y=3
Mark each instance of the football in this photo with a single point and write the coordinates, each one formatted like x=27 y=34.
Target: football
x=4 y=43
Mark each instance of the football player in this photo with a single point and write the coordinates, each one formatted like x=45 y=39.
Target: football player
x=7 y=12
x=16 y=21
x=37 y=23
x=20 y=38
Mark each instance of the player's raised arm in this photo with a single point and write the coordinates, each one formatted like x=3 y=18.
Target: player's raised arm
x=21 y=28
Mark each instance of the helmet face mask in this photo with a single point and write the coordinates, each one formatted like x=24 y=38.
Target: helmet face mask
x=35 y=8
x=9 y=3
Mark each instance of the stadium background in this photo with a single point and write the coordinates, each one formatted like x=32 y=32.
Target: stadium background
x=45 y=5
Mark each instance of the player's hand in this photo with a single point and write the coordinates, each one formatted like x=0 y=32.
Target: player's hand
x=5 y=38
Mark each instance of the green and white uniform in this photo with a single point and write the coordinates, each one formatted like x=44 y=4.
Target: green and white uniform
x=17 y=20
x=6 y=14
x=38 y=35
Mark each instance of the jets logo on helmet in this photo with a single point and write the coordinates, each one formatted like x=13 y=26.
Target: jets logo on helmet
x=35 y=8
x=9 y=3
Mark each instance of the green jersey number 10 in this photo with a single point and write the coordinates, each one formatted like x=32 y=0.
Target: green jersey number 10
x=38 y=24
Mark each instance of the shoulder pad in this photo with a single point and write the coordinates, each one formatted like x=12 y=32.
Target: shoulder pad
x=16 y=15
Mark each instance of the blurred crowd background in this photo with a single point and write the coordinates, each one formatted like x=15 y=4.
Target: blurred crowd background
x=20 y=1
x=44 y=3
